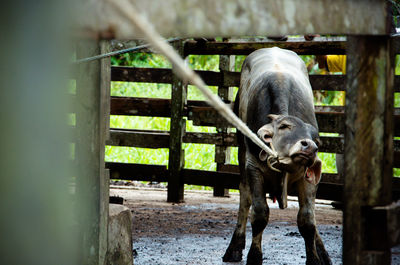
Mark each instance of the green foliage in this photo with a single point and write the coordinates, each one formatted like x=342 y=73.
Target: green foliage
x=141 y=60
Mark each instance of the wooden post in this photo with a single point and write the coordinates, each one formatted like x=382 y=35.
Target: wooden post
x=368 y=145
x=177 y=127
x=88 y=150
x=223 y=153
x=104 y=117
x=92 y=119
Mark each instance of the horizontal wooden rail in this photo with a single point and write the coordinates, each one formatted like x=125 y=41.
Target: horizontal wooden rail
x=329 y=187
x=245 y=48
x=224 y=78
x=160 y=139
x=330 y=122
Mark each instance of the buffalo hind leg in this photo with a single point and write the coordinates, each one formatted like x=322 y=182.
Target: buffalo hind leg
x=235 y=249
x=315 y=250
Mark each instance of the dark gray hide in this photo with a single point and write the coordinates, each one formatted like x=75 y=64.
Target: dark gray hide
x=275 y=100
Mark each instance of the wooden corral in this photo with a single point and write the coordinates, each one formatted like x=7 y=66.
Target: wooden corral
x=331 y=119
x=368 y=121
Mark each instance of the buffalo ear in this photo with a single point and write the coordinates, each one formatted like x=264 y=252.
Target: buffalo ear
x=263 y=155
x=274 y=116
x=313 y=173
x=266 y=132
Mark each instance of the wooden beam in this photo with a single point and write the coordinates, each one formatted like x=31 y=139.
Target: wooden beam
x=383 y=226
x=140 y=172
x=177 y=127
x=245 y=48
x=88 y=151
x=223 y=152
x=369 y=142
x=139 y=138
x=210 y=18
x=140 y=106
x=104 y=120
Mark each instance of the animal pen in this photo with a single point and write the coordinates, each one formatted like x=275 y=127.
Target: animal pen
x=368 y=121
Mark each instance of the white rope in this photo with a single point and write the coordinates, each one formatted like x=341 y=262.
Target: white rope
x=183 y=71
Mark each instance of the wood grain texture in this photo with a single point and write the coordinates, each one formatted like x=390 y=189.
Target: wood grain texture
x=369 y=141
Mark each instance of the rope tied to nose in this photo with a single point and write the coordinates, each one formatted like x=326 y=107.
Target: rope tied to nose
x=273 y=160
x=183 y=71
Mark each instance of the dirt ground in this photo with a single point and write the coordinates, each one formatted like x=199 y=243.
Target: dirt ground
x=198 y=231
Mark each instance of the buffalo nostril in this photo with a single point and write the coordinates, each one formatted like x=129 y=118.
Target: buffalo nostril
x=304 y=143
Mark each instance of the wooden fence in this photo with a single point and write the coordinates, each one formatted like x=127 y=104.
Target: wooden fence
x=331 y=119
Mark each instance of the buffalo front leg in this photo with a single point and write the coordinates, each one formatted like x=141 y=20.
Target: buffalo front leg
x=259 y=217
x=238 y=241
x=315 y=250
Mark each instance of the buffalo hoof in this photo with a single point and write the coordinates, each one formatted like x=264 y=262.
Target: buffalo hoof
x=254 y=257
x=314 y=261
x=232 y=255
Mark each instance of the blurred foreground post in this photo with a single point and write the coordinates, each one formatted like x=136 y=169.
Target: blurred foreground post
x=37 y=218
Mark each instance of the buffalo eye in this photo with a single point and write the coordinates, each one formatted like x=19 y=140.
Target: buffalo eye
x=284 y=126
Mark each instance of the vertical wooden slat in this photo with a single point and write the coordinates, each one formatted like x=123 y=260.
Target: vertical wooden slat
x=104 y=119
x=222 y=153
x=177 y=127
x=368 y=144
x=88 y=150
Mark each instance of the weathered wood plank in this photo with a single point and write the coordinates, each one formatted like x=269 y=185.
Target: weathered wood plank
x=209 y=18
x=139 y=74
x=382 y=228
x=328 y=82
x=177 y=127
x=369 y=138
x=245 y=48
x=140 y=106
x=105 y=82
x=160 y=139
x=332 y=122
x=139 y=138
x=161 y=75
x=154 y=107
x=223 y=152
x=88 y=151
x=141 y=172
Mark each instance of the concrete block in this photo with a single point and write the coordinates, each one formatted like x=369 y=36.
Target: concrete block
x=119 y=236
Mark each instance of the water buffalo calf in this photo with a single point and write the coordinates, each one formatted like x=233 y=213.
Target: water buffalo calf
x=275 y=100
